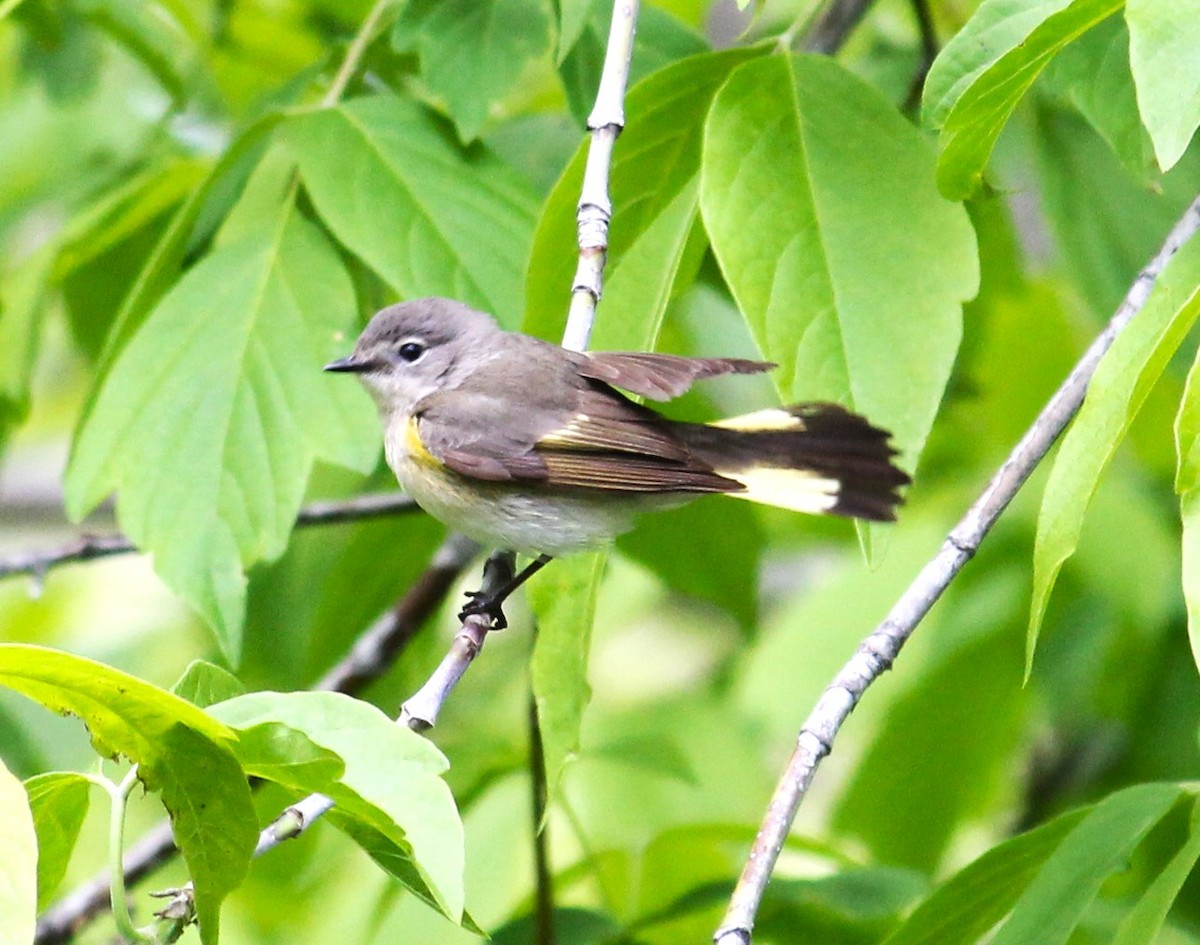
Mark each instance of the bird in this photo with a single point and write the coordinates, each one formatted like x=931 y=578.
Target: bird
x=527 y=446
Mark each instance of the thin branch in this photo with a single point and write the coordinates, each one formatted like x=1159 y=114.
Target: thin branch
x=879 y=650
x=37 y=564
x=831 y=29
x=358 y=46
x=421 y=710
x=595 y=205
x=929 y=51
x=375 y=652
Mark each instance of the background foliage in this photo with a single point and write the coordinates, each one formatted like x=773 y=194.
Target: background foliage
x=199 y=208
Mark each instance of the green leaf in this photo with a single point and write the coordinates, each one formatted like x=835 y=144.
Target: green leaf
x=211 y=417
x=848 y=266
x=573 y=16
x=985 y=71
x=1092 y=73
x=390 y=785
x=1053 y=903
x=977 y=897
x=473 y=51
x=19 y=865
x=180 y=751
x=467 y=218
x=1163 y=37
x=59 y=801
x=1117 y=391
x=1141 y=926
x=655 y=173
x=563 y=597
x=1187 y=485
x=996 y=28
x=204 y=683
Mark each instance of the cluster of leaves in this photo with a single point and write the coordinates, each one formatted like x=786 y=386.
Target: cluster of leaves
x=238 y=202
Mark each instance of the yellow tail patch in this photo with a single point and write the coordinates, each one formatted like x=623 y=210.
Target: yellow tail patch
x=773 y=418
x=800 y=490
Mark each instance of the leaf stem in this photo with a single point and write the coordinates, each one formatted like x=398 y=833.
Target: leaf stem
x=358 y=46
x=544 y=931
x=879 y=650
x=119 y=795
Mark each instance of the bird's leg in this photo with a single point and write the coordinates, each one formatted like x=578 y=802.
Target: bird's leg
x=491 y=605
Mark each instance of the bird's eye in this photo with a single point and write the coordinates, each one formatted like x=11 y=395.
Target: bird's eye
x=411 y=351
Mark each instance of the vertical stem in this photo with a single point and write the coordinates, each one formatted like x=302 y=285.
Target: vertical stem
x=118 y=796
x=544 y=933
x=595 y=205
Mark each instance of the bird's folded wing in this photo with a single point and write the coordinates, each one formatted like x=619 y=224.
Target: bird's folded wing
x=605 y=443
x=658 y=376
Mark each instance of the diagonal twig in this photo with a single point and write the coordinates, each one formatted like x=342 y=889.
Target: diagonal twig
x=879 y=650
x=37 y=564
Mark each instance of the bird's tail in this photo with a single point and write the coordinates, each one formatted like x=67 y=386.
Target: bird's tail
x=815 y=458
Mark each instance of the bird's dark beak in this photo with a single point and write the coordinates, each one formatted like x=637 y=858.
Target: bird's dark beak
x=348 y=365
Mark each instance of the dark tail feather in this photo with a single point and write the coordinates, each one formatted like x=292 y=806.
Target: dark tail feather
x=816 y=458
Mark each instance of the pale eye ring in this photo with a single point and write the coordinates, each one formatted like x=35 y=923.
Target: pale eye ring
x=411 y=351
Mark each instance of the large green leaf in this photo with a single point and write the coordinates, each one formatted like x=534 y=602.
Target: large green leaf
x=1163 y=38
x=1117 y=391
x=18 y=867
x=985 y=71
x=1053 y=903
x=59 y=801
x=428 y=216
x=391 y=781
x=977 y=897
x=849 y=267
x=211 y=417
x=1045 y=878
x=473 y=51
x=180 y=751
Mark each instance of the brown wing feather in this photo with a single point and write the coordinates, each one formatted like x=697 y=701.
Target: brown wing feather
x=658 y=376
x=609 y=444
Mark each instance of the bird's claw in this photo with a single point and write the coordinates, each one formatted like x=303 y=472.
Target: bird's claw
x=483 y=604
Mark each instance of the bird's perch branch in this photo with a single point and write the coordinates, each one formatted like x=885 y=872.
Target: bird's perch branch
x=877 y=652
x=595 y=205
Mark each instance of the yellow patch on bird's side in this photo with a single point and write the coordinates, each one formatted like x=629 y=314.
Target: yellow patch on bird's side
x=770 y=419
x=414 y=447
x=799 y=490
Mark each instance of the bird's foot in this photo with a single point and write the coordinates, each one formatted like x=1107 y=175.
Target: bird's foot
x=487 y=605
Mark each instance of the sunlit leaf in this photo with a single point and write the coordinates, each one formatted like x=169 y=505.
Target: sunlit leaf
x=181 y=752
x=849 y=267
x=212 y=415
x=428 y=216
x=390 y=784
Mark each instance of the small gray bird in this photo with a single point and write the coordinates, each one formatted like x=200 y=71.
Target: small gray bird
x=525 y=445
